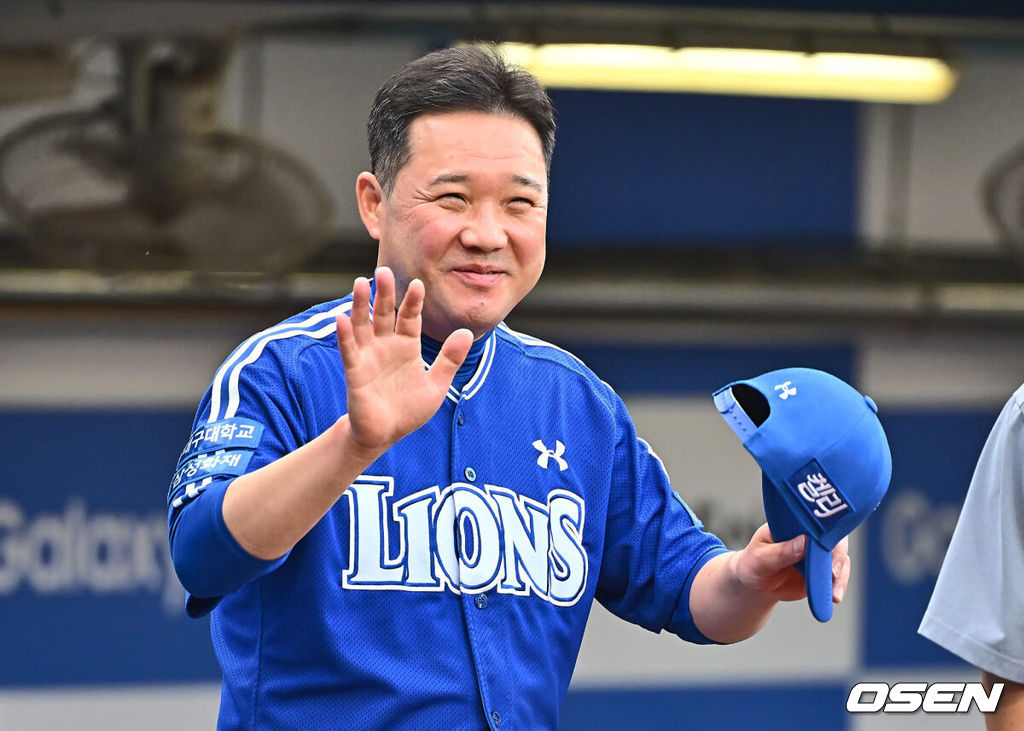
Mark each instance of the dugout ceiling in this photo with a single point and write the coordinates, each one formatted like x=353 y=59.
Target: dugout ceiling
x=45 y=21
x=753 y=210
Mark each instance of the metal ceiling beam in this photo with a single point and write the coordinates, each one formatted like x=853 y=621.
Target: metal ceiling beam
x=30 y=23
x=835 y=289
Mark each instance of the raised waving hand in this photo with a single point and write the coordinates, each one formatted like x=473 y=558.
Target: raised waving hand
x=391 y=392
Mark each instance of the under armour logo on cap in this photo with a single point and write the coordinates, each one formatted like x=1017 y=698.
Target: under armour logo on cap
x=824 y=460
x=547 y=454
x=786 y=390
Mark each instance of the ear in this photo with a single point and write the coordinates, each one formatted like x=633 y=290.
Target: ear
x=370 y=199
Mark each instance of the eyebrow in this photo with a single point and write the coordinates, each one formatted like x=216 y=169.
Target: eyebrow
x=462 y=178
x=449 y=178
x=528 y=182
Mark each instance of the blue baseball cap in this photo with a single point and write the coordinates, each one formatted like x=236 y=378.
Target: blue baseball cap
x=824 y=458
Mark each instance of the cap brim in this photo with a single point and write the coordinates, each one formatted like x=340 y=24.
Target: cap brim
x=818 y=577
x=816 y=565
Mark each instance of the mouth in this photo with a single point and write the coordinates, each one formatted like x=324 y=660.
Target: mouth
x=480 y=275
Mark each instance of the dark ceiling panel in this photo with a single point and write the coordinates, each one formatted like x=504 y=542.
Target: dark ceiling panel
x=932 y=8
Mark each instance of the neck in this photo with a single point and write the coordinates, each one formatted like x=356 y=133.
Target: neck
x=430 y=349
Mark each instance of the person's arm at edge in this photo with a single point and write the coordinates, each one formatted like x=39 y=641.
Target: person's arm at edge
x=1009 y=714
x=734 y=593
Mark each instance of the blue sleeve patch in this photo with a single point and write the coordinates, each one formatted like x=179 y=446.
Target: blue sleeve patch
x=226 y=434
x=222 y=463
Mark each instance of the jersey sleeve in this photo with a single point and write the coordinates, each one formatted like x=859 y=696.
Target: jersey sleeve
x=975 y=608
x=250 y=416
x=654 y=543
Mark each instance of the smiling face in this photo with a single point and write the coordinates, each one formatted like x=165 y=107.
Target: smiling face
x=467 y=216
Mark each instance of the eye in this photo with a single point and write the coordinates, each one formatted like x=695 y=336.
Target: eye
x=521 y=203
x=452 y=201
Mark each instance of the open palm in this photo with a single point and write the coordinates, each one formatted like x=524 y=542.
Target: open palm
x=391 y=392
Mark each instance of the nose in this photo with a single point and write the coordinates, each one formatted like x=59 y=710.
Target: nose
x=484 y=231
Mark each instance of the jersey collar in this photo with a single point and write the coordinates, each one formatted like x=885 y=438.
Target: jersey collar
x=473 y=371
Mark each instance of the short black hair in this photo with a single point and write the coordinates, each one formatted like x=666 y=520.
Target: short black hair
x=463 y=78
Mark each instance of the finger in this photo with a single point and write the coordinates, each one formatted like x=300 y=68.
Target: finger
x=841 y=565
x=360 y=314
x=346 y=342
x=762 y=535
x=841 y=578
x=793 y=586
x=453 y=354
x=384 y=302
x=784 y=553
x=410 y=312
x=775 y=557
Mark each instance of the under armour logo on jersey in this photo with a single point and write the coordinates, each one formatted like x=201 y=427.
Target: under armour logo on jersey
x=548 y=454
x=786 y=390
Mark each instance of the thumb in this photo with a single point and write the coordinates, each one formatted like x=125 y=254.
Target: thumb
x=453 y=354
x=780 y=555
x=773 y=557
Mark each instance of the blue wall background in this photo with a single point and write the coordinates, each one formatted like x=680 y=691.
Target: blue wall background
x=659 y=169
x=87 y=595
x=934 y=454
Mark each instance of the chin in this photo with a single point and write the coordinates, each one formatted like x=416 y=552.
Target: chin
x=478 y=307
x=480 y=321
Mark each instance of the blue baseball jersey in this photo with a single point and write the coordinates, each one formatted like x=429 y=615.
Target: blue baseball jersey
x=450 y=585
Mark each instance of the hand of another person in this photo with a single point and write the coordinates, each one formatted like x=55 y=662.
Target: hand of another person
x=768 y=567
x=391 y=392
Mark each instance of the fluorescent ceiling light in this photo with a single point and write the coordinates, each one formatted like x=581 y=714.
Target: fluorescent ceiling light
x=858 y=76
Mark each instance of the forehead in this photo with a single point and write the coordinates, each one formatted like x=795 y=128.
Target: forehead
x=464 y=141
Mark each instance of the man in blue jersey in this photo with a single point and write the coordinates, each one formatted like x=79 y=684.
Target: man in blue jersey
x=384 y=544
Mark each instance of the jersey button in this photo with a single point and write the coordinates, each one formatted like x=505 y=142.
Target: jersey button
x=461 y=418
x=470 y=474
x=496 y=718
x=480 y=600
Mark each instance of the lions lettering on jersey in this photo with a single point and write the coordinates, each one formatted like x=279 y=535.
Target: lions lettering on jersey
x=507 y=541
